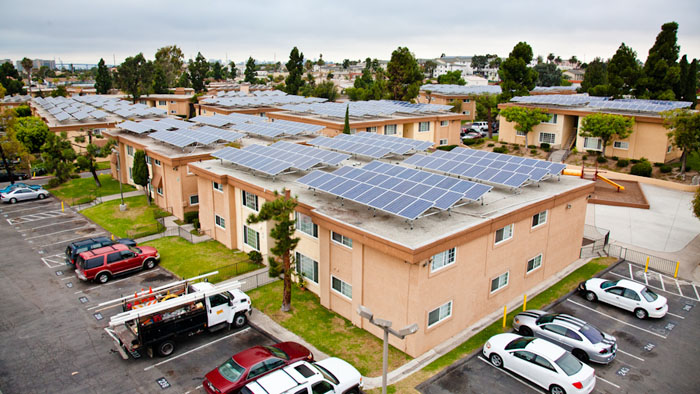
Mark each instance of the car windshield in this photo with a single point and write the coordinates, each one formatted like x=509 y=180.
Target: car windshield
x=327 y=374
x=607 y=284
x=547 y=318
x=519 y=343
x=649 y=295
x=593 y=334
x=231 y=370
x=135 y=249
x=569 y=364
x=277 y=352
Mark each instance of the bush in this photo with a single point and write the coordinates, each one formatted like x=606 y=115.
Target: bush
x=532 y=146
x=547 y=149
x=574 y=151
x=545 y=145
x=54 y=182
x=584 y=157
x=623 y=163
x=658 y=164
x=643 y=168
x=195 y=223
x=255 y=257
x=533 y=151
x=491 y=145
x=447 y=147
x=501 y=149
x=191 y=216
x=591 y=152
x=665 y=169
x=469 y=142
x=615 y=158
x=601 y=159
x=634 y=161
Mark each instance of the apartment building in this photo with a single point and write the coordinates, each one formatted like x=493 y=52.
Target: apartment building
x=423 y=122
x=446 y=94
x=648 y=139
x=258 y=102
x=177 y=104
x=443 y=270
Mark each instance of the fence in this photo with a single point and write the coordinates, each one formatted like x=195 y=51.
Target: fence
x=637 y=257
x=596 y=239
x=256 y=280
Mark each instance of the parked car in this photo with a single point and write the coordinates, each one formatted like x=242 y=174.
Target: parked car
x=540 y=362
x=105 y=263
x=471 y=135
x=331 y=375
x=5 y=177
x=480 y=126
x=15 y=185
x=84 y=245
x=583 y=340
x=253 y=363
x=632 y=296
x=23 y=193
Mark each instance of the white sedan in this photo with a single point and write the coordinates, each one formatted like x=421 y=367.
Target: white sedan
x=625 y=294
x=23 y=193
x=540 y=362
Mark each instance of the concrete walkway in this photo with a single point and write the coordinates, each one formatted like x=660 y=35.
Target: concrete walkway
x=111 y=197
x=557 y=156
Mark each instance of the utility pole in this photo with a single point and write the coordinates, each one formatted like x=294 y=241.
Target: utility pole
x=4 y=159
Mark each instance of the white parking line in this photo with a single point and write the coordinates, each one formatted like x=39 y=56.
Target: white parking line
x=608 y=382
x=679 y=287
x=616 y=319
x=195 y=349
x=696 y=292
x=631 y=355
x=674 y=315
x=631 y=273
x=72 y=239
x=511 y=375
x=659 y=289
x=47 y=225
x=663 y=286
x=26 y=209
x=58 y=232
x=113 y=282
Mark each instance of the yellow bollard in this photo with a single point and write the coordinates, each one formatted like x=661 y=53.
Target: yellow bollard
x=524 y=302
x=505 y=311
x=646 y=267
x=112 y=237
x=61 y=206
x=678 y=264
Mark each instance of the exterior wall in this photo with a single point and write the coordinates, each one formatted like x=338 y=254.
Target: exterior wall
x=468 y=103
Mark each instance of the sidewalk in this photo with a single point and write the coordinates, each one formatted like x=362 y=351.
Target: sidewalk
x=111 y=197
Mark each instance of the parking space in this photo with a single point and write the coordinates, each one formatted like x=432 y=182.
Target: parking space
x=654 y=355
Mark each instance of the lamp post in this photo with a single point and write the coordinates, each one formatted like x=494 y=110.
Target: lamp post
x=385 y=325
x=122 y=206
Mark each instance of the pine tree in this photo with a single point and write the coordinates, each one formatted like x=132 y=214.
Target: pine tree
x=139 y=171
x=197 y=71
x=595 y=79
x=517 y=78
x=691 y=83
x=249 y=70
x=623 y=72
x=160 y=81
x=103 y=80
x=295 y=66
x=346 y=127
x=403 y=73
x=661 y=70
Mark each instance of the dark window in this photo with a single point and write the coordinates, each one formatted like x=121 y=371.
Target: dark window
x=631 y=294
x=607 y=284
x=547 y=318
x=616 y=290
x=302 y=391
x=555 y=329
x=539 y=360
x=572 y=335
x=322 y=387
x=94 y=262
x=304 y=370
x=523 y=355
x=127 y=254
x=114 y=257
x=217 y=299
x=257 y=370
x=593 y=334
x=519 y=343
x=273 y=363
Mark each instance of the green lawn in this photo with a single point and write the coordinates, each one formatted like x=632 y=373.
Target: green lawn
x=137 y=221
x=102 y=165
x=328 y=331
x=189 y=260
x=83 y=190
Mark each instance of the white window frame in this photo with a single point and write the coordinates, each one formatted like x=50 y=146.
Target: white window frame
x=420 y=127
x=510 y=231
x=245 y=197
x=536 y=263
x=162 y=102
x=443 y=259
x=159 y=190
x=345 y=241
x=588 y=140
x=301 y=222
x=130 y=150
x=552 y=119
x=444 y=312
x=130 y=174
x=344 y=286
x=156 y=162
x=194 y=195
x=246 y=238
x=301 y=261
x=548 y=138
x=353 y=131
x=499 y=278
x=390 y=129
x=172 y=111
x=219 y=222
x=520 y=133
x=444 y=123
x=621 y=145
x=443 y=141
x=372 y=129
x=541 y=219
x=669 y=149
x=218 y=186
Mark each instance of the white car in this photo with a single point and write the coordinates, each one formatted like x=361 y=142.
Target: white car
x=625 y=294
x=331 y=375
x=540 y=362
x=23 y=193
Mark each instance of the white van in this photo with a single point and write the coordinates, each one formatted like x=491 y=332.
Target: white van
x=331 y=375
x=480 y=126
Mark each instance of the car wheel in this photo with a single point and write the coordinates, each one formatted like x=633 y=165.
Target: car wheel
x=166 y=348
x=103 y=277
x=525 y=331
x=590 y=296
x=13 y=200
x=580 y=354
x=41 y=197
x=555 y=389
x=640 y=313
x=240 y=320
x=149 y=264
x=496 y=360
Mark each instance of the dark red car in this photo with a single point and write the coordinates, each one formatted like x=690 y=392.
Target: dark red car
x=252 y=363
x=105 y=263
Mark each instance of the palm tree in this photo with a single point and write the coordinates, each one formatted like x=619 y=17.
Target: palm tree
x=27 y=65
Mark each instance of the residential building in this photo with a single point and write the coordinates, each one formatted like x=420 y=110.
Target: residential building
x=258 y=102
x=539 y=90
x=574 y=74
x=447 y=94
x=14 y=101
x=648 y=139
x=176 y=104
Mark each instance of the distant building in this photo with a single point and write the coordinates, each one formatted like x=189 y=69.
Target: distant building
x=36 y=64
x=446 y=94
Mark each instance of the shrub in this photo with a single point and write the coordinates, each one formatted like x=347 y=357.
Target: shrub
x=255 y=257
x=195 y=223
x=601 y=159
x=591 y=152
x=491 y=145
x=447 y=147
x=545 y=145
x=658 y=164
x=469 y=142
x=574 y=151
x=533 y=151
x=623 y=163
x=584 y=157
x=666 y=168
x=501 y=149
x=54 y=182
x=532 y=146
x=547 y=149
x=643 y=168
x=615 y=158
x=634 y=161
x=191 y=216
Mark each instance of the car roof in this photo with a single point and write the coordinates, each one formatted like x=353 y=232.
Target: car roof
x=251 y=356
x=545 y=348
x=566 y=320
x=630 y=285
x=104 y=250
x=88 y=241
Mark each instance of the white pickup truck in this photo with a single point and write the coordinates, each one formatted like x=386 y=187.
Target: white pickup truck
x=331 y=375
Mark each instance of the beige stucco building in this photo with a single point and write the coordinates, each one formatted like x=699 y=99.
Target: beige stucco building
x=177 y=104
x=447 y=94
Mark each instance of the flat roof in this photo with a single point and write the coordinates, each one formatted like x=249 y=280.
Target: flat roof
x=426 y=230
x=584 y=102
x=364 y=111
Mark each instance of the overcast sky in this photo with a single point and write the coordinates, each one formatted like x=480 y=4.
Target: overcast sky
x=85 y=31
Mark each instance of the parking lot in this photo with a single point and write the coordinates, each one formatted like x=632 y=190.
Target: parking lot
x=654 y=355
x=52 y=332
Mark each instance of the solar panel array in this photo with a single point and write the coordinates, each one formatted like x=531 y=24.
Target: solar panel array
x=370 y=145
x=559 y=99
x=394 y=142
x=179 y=133
x=260 y=101
x=278 y=157
x=584 y=100
x=462 y=89
x=366 y=108
x=80 y=108
x=496 y=168
x=405 y=192
x=353 y=147
x=642 y=105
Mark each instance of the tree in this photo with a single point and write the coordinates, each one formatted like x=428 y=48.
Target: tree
x=346 y=125
x=683 y=77
x=320 y=60
x=404 y=75
x=517 y=79
x=60 y=91
x=595 y=79
x=346 y=64
x=623 y=72
x=684 y=126
x=134 y=76
x=249 y=71
x=3 y=91
x=548 y=74
x=607 y=127
x=23 y=111
x=139 y=171
x=103 y=81
x=479 y=63
x=661 y=70
x=10 y=79
x=573 y=60
x=217 y=72
x=10 y=147
x=32 y=132
x=281 y=211
x=550 y=58
x=326 y=90
x=524 y=118
x=27 y=65
x=197 y=71
x=696 y=203
x=160 y=83
x=452 y=78
x=232 y=70
x=429 y=67
x=58 y=155
x=487 y=109
x=295 y=67
x=170 y=59
x=691 y=84
x=184 y=80
x=87 y=160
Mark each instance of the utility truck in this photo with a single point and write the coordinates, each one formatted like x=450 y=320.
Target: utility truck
x=153 y=320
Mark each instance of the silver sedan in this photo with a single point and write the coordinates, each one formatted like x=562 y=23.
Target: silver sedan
x=23 y=193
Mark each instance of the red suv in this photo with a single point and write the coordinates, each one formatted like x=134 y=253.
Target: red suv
x=104 y=263
x=252 y=363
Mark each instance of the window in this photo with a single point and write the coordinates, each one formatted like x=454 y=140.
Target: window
x=390 y=129
x=304 y=224
x=504 y=233
x=159 y=190
x=221 y=222
x=439 y=314
x=156 y=162
x=250 y=200
x=322 y=387
x=172 y=101
x=466 y=100
x=616 y=291
x=194 y=199
x=424 y=126
x=188 y=171
x=444 y=123
x=552 y=119
x=621 y=145
x=218 y=186
x=217 y=299
x=539 y=219
x=548 y=138
x=251 y=238
x=353 y=131
x=114 y=257
x=307 y=267
x=668 y=150
x=442 y=259
x=172 y=111
x=592 y=143
x=520 y=133
x=443 y=142
x=465 y=112
x=341 y=287
x=539 y=360
x=129 y=150
x=148 y=160
x=534 y=263
x=371 y=129
x=94 y=262
x=162 y=102
x=499 y=282
x=631 y=294
x=130 y=176
x=341 y=239
x=257 y=370
x=555 y=328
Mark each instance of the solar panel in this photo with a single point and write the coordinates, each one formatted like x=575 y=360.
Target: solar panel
x=61 y=116
x=134 y=127
x=176 y=139
x=217 y=121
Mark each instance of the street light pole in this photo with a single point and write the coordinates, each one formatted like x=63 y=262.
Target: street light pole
x=122 y=206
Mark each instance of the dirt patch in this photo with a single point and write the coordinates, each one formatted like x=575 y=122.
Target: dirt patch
x=607 y=194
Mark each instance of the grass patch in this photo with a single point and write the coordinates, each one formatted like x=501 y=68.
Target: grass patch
x=83 y=190
x=693 y=161
x=137 y=221
x=328 y=331
x=102 y=165
x=188 y=260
